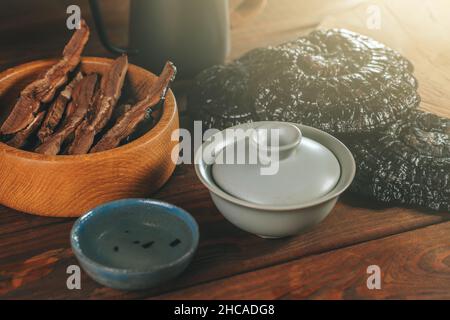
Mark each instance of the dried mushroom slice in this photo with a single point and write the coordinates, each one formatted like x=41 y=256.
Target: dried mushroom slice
x=335 y=80
x=82 y=99
x=43 y=89
x=82 y=140
x=56 y=111
x=129 y=121
x=110 y=91
x=20 y=138
x=407 y=164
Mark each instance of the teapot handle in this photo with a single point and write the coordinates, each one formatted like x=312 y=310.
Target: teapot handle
x=243 y=10
x=100 y=26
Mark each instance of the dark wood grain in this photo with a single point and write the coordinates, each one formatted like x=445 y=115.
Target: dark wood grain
x=35 y=251
x=414 y=265
x=224 y=250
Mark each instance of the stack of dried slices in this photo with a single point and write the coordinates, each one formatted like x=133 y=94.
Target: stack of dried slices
x=352 y=87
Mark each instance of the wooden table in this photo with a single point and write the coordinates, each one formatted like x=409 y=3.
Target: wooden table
x=411 y=247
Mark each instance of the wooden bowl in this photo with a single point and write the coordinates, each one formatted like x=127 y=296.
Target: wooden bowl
x=69 y=186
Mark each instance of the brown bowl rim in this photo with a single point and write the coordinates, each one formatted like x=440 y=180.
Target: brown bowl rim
x=167 y=117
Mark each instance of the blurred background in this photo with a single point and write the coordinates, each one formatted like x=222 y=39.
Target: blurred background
x=41 y=23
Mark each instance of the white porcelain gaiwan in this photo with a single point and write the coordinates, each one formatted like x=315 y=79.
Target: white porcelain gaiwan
x=274 y=179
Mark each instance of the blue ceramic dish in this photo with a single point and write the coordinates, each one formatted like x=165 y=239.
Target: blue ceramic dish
x=134 y=244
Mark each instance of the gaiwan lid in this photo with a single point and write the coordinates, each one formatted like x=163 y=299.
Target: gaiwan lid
x=273 y=164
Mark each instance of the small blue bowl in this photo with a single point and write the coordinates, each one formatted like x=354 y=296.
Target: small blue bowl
x=134 y=244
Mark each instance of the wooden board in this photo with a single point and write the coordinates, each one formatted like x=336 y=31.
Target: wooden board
x=224 y=250
x=413 y=265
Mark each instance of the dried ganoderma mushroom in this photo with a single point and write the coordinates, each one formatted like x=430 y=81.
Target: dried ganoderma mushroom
x=83 y=94
x=43 y=89
x=334 y=80
x=102 y=109
x=407 y=164
x=138 y=114
x=56 y=110
x=343 y=83
x=220 y=97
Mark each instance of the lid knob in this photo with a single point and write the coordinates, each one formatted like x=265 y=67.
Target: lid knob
x=276 y=138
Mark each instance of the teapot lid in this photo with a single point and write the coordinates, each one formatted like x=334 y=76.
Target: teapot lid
x=279 y=167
